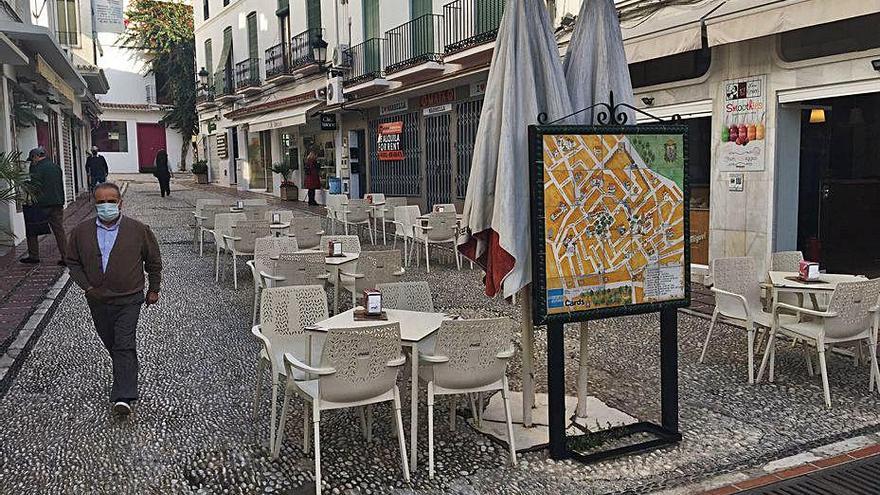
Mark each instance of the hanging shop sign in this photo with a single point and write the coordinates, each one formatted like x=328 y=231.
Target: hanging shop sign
x=743 y=146
x=389 y=141
x=328 y=122
x=478 y=89
x=222 y=149
x=438 y=98
x=610 y=235
x=397 y=106
x=109 y=16
x=439 y=109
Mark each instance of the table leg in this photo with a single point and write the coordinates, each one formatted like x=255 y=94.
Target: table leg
x=414 y=409
x=336 y=292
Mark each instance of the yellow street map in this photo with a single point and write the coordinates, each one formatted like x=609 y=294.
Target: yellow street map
x=614 y=220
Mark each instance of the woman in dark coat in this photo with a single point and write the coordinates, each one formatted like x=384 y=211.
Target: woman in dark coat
x=163 y=173
x=313 y=176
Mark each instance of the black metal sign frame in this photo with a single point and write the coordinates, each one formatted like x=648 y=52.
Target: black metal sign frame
x=667 y=432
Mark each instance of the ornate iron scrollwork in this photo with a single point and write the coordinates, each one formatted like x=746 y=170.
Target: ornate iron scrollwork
x=610 y=113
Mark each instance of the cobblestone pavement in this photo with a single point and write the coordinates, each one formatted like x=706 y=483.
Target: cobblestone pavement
x=193 y=432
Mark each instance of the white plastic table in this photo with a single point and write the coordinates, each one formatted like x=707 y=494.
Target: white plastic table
x=783 y=282
x=415 y=327
x=375 y=209
x=278 y=228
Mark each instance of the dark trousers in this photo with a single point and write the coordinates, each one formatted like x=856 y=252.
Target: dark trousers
x=312 y=197
x=116 y=325
x=165 y=185
x=56 y=223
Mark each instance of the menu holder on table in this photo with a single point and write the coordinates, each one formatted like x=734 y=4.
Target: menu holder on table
x=808 y=271
x=276 y=218
x=334 y=249
x=362 y=315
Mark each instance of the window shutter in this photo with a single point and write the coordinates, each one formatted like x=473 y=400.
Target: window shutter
x=253 y=46
x=209 y=56
x=313 y=14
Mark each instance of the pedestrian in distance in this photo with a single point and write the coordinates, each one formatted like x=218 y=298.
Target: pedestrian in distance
x=48 y=182
x=107 y=257
x=313 y=176
x=163 y=173
x=96 y=169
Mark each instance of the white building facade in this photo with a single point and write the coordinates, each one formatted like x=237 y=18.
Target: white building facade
x=421 y=66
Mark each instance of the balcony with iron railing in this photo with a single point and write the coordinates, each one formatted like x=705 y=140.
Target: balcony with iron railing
x=468 y=23
x=416 y=42
x=301 y=48
x=365 y=62
x=68 y=38
x=247 y=74
x=224 y=85
x=205 y=94
x=277 y=63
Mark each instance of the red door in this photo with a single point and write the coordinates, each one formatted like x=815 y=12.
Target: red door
x=151 y=139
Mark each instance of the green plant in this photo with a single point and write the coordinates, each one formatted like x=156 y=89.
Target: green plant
x=200 y=167
x=14 y=185
x=163 y=30
x=284 y=169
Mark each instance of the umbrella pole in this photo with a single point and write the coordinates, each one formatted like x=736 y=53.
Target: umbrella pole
x=528 y=356
x=582 y=373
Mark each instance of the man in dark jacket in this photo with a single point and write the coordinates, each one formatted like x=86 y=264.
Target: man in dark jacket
x=48 y=180
x=96 y=168
x=107 y=258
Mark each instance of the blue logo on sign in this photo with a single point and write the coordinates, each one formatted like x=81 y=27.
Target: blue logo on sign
x=554 y=298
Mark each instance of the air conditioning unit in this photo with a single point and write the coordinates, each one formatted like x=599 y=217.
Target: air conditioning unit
x=334 y=91
x=342 y=56
x=321 y=94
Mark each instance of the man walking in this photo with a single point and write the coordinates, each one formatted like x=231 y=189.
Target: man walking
x=107 y=258
x=48 y=181
x=96 y=168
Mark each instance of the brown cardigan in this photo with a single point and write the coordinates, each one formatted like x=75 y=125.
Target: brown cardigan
x=134 y=252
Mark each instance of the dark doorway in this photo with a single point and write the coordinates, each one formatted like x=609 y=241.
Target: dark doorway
x=233 y=164
x=839 y=194
x=358 y=162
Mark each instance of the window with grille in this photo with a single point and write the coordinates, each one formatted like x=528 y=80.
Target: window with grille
x=209 y=56
x=68 y=22
x=111 y=136
x=253 y=45
x=206 y=11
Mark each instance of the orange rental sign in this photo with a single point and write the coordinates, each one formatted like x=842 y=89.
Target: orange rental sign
x=389 y=141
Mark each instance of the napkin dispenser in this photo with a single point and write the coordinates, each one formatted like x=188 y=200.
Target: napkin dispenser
x=239 y=204
x=808 y=270
x=334 y=248
x=373 y=302
x=369 y=198
x=439 y=209
x=276 y=218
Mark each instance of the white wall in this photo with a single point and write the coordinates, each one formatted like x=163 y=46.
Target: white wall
x=127 y=162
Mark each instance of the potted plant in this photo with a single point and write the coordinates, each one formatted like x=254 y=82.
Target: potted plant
x=200 y=170
x=289 y=191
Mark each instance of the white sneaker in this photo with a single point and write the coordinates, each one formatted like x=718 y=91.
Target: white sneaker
x=122 y=408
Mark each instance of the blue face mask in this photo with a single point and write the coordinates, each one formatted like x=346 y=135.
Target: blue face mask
x=107 y=212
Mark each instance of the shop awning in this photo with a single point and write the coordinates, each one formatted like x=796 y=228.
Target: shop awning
x=282 y=118
x=11 y=54
x=668 y=31
x=39 y=40
x=740 y=20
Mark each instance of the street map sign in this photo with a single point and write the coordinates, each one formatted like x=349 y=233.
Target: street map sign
x=610 y=221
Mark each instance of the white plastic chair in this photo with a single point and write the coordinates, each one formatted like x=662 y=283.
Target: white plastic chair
x=303 y=268
x=469 y=357
x=852 y=316
x=266 y=249
x=285 y=312
x=241 y=241
x=387 y=213
x=334 y=205
x=357 y=214
x=223 y=223
x=351 y=244
x=406 y=218
x=253 y=213
x=198 y=216
x=738 y=300
x=358 y=367
x=307 y=230
x=377 y=213
x=205 y=220
x=441 y=228
x=411 y=296
x=373 y=268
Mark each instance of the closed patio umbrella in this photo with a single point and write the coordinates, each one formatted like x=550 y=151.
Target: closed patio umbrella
x=595 y=65
x=525 y=79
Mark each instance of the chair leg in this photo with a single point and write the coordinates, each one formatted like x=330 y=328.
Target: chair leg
x=453 y=405
x=427 y=257
x=404 y=460
x=709 y=335
x=279 y=435
x=362 y=419
x=824 y=371
x=306 y=430
x=771 y=343
x=384 y=242
x=875 y=371
x=505 y=394
x=273 y=412
x=234 y=270
x=751 y=355
x=369 y=408
x=216 y=265
x=258 y=391
x=809 y=360
x=431 y=430
x=474 y=413
x=316 y=421
x=201 y=243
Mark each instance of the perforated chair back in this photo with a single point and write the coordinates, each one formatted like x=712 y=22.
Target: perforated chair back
x=852 y=302
x=411 y=296
x=472 y=347
x=360 y=357
x=307 y=231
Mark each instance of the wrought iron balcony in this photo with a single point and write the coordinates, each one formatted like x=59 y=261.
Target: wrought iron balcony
x=277 y=63
x=301 y=53
x=205 y=94
x=223 y=84
x=68 y=38
x=366 y=62
x=247 y=74
x=416 y=42
x=469 y=23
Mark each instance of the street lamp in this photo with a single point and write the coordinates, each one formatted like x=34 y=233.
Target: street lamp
x=319 y=49
x=203 y=77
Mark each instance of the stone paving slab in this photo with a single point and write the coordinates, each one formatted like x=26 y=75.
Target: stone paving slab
x=193 y=431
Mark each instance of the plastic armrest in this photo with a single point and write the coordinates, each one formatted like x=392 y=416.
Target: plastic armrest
x=399 y=273
x=265 y=275
x=398 y=361
x=231 y=238
x=199 y=217
x=320 y=233
x=352 y=275
x=255 y=330
x=505 y=354
x=874 y=309
x=430 y=358
x=296 y=363
x=806 y=311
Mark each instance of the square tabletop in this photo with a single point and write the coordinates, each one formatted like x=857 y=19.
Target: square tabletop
x=415 y=326
x=328 y=260
x=827 y=281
